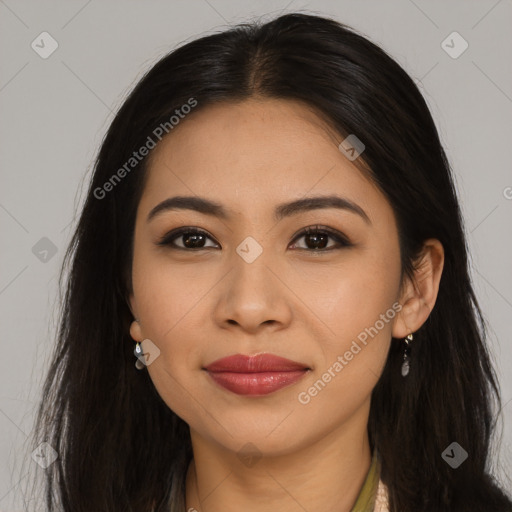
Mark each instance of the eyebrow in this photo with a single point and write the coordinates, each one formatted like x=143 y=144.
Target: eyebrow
x=208 y=207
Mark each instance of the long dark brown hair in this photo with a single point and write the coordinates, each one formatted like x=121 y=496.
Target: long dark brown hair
x=120 y=447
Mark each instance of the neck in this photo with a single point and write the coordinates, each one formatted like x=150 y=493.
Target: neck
x=324 y=475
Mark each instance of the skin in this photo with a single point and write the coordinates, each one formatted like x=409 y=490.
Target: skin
x=201 y=305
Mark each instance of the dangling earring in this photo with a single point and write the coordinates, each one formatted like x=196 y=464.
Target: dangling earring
x=138 y=354
x=407 y=352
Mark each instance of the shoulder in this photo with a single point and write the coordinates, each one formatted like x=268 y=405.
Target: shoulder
x=494 y=500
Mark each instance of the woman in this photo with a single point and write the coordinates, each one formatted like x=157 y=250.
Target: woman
x=273 y=237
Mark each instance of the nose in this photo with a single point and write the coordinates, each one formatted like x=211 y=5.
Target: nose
x=253 y=296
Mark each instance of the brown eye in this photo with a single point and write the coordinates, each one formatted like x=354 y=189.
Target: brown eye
x=316 y=239
x=191 y=238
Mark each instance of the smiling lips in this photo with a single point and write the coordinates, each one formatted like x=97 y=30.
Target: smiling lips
x=255 y=375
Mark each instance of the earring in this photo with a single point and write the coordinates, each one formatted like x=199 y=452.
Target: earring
x=138 y=354
x=407 y=352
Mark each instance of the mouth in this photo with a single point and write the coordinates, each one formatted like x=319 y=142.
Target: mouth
x=255 y=375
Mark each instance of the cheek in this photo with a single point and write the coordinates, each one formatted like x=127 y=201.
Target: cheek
x=169 y=303
x=167 y=293
x=358 y=309
x=349 y=298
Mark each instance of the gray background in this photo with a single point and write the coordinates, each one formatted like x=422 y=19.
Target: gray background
x=55 y=112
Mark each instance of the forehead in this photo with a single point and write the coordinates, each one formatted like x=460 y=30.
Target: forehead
x=257 y=151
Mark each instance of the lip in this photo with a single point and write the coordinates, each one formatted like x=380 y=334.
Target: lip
x=241 y=363
x=260 y=374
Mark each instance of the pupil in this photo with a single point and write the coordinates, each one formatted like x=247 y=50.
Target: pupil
x=315 y=237
x=195 y=238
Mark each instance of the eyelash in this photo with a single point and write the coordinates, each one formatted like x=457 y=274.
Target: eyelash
x=342 y=241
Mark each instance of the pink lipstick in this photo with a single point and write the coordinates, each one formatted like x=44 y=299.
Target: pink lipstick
x=255 y=375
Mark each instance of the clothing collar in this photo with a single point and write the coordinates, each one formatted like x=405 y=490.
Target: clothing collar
x=373 y=496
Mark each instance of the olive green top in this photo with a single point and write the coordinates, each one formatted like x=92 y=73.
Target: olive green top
x=366 y=500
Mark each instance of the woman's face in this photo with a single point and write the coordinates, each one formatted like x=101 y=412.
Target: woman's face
x=254 y=283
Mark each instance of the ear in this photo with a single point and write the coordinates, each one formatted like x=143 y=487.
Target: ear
x=135 y=328
x=419 y=295
x=136 y=331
